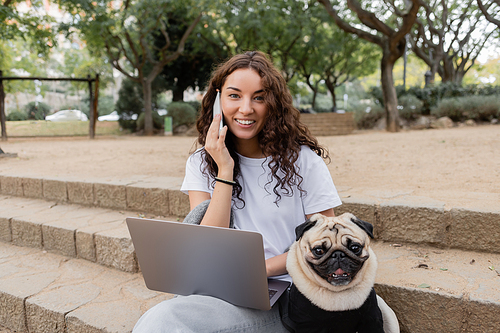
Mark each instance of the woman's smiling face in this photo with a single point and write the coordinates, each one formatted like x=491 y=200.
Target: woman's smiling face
x=243 y=105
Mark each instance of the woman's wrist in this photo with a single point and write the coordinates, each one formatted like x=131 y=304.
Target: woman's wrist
x=225 y=174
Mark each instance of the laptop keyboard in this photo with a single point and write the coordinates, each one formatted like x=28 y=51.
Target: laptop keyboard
x=272 y=292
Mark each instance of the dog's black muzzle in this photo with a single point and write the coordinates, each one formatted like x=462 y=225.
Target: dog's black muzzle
x=339 y=268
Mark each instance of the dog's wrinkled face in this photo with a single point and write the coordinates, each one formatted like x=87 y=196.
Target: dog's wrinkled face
x=335 y=248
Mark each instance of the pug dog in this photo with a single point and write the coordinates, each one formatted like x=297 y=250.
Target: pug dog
x=333 y=270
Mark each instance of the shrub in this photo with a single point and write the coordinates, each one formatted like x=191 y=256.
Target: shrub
x=196 y=105
x=182 y=114
x=157 y=120
x=377 y=94
x=479 y=108
x=130 y=102
x=410 y=107
x=16 y=116
x=36 y=112
x=366 y=116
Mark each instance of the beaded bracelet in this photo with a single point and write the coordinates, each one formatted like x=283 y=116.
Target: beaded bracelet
x=228 y=182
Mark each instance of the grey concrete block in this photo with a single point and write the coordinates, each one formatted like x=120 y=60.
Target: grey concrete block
x=11 y=186
x=33 y=187
x=59 y=240
x=178 y=202
x=421 y=311
x=12 y=312
x=118 y=316
x=150 y=200
x=482 y=317
x=85 y=243
x=26 y=233
x=402 y=223
x=114 y=248
x=45 y=312
x=5 y=230
x=81 y=193
x=55 y=190
x=473 y=230
x=110 y=196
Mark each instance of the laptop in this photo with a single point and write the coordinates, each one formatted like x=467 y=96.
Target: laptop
x=187 y=259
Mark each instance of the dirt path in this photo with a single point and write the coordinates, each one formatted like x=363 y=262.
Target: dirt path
x=458 y=164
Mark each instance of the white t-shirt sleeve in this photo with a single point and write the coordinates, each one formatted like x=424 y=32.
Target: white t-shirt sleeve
x=321 y=193
x=195 y=179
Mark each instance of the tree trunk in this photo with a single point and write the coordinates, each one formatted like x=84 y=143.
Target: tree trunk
x=315 y=94
x=331 y=88
x=459 y=76
x=148 y=115
x=314 y=88
x=390 y=96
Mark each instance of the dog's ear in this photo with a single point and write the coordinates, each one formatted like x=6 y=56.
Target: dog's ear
x=299 y=230
x=366 y=226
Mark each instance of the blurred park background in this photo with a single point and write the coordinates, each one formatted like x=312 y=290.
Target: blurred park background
x=389 y=63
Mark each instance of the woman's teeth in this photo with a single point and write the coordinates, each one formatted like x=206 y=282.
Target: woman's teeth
x=245 y=122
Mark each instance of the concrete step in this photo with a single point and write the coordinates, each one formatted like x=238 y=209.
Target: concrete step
x=456 y=290
x=431 y=290
x=435 y=290
x=95 y=234
x=397 y=217
x=326 y=124
x=41 y=292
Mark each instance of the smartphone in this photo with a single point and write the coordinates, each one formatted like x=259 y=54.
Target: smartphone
x=218 y=110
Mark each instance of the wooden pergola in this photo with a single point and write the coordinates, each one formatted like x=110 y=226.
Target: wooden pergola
x=92 y=94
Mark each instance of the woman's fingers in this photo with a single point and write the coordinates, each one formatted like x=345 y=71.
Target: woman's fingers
x=215 y=144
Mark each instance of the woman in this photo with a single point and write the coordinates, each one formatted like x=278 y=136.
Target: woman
x=266 y=169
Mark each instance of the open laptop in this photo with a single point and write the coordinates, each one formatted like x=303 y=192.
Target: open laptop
x=188 y=259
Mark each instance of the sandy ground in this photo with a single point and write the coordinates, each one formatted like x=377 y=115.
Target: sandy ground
x=455 y=166
x=458 y=164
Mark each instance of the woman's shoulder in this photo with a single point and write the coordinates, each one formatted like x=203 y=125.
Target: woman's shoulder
x=197 y=154
x=308 y=158
x=307 y=152
x=197 y=157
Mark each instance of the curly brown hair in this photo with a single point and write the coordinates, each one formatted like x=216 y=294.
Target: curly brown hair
x=283 y=133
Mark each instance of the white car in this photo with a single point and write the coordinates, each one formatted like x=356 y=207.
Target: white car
x=113 y=116
x=67 y=115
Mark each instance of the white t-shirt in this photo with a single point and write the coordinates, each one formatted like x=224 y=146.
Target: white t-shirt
x=276 y=223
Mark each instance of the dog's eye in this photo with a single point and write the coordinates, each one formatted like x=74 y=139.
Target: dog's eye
x=318 y=251
x=355 y=248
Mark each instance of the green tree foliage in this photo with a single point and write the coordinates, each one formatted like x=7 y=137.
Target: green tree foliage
x=31 y=26
x=81 y=63
x=330 y=56
x=201 y=52
x=383 y=23
x=270 y=26
x=125 y=32
x=449 y=36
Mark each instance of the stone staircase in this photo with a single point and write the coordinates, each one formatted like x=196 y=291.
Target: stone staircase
x=326 y=124
x=67 y=263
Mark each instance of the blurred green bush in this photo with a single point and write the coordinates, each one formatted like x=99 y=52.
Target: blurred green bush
x=478 y=108
x=37 y=111
x=182 y=113
x=16 y=116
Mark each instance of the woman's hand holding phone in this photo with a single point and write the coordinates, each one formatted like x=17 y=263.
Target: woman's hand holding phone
x=215 y=145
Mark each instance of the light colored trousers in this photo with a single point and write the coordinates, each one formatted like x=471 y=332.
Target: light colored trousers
x=207 y=314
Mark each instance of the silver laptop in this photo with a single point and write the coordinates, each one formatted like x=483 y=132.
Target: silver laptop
x=188 y=259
